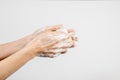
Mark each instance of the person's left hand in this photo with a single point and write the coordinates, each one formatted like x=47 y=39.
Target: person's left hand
x=62 y=49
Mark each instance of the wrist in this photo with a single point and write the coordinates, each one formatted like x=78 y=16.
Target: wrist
x=31 y=50
x=26 y=40
x=28 y=52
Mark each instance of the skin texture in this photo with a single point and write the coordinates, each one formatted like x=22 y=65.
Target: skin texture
x=15 y=54
x=12 y=63
x=60 y=48
x=10 y=48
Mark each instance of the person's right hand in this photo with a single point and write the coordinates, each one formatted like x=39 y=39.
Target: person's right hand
x=56 y=49
x=45 y=40
x=61 y=47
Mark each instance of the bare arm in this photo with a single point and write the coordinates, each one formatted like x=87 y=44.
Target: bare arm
x=24 y=52
x=12 y=63
x=12 y=47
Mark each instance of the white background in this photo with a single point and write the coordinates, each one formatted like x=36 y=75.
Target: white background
x=97 y=24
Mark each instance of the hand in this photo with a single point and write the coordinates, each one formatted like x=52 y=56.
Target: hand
x=45 y=40
x=56 y=48
x=61 y=47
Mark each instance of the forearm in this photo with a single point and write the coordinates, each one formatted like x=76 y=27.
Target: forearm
x=12 y=63
x=12 y=47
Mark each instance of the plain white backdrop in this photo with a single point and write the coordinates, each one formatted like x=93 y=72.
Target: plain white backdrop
x=97 y=24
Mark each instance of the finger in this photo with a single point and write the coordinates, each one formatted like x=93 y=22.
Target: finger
x=46 y=55
x=75 y=38
x=72 y=34
x=70 y=30
x=54 y=55
x=49 y=28
x=72 y=45
x=63 y=47
x=54 y=28
x=43 y=54
x=52 y=43
x=65 y=44
x=50 y=55
x=58 y=50
x=63 y=52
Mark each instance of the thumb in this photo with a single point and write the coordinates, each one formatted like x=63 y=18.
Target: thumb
x=54 y=28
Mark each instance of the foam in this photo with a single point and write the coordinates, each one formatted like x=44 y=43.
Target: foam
x=56 y=49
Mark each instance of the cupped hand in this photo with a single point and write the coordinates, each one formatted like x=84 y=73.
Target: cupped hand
x=44 y=41
x=56 y=49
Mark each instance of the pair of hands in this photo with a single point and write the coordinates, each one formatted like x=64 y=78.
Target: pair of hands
x=44 y=39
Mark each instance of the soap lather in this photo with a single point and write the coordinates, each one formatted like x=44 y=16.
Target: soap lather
x=56 y=50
